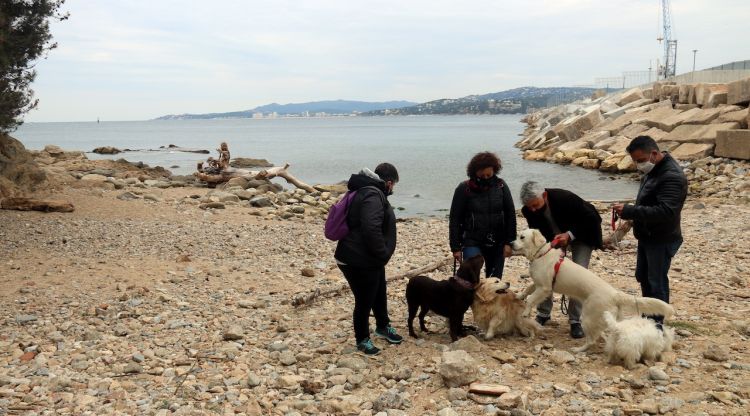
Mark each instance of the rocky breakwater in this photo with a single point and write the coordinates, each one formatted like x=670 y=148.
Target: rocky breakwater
x=704 y=126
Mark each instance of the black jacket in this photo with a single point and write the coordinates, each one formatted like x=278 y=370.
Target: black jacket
x=658 y=206
x=571 y=213
x=477 y=213
x=372 y=225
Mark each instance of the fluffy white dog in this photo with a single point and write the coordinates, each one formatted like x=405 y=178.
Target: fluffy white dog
x=550 y=272
x=498 y=311
x=633 y=340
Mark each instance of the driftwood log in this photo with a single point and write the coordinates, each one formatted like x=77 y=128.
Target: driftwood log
x=29 y=204
x=229 y=173
x=308 y=298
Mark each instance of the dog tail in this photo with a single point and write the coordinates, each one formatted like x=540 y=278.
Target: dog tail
x=645 y=306
x=609 y=319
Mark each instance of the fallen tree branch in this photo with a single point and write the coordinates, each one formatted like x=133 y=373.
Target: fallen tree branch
x=308 y=298
x=229 y=173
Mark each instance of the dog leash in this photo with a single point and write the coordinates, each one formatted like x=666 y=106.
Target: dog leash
x=564 y=303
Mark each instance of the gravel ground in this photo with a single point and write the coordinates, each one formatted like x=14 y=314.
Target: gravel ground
x=159 y=307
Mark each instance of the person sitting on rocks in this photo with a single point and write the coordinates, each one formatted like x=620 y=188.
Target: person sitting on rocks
x=211 y=166
x=223 y=156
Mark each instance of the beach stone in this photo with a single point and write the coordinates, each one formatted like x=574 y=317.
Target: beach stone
x=234 y=332
x=716 y=352
x=468 y=343
x=94 y=177
x=656 y=373
x=253 y=380
x=458 y=368
x=287 y=358
x=390 y=399
x=241 y=182
x=25 y=319
x=128 y=196
x=107 y=150
x=352 y=363
x=560 y=357
x=212 y=205
x=261 y=202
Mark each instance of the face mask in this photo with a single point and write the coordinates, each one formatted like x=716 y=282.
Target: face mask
x=484 y=182
x=645 y=167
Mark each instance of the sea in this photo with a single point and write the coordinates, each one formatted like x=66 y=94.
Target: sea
x=430 y=152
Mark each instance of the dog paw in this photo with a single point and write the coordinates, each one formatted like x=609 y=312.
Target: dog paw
x=488 y=337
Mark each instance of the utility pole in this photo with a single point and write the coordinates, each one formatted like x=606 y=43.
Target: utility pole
x=694 y=52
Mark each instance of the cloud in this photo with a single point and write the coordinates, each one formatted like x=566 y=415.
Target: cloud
x=141 y=59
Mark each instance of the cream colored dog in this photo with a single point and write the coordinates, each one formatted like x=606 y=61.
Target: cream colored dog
x=635 y=339
x=577 y=282
x=498 y=311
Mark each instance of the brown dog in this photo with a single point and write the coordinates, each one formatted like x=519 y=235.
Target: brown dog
x=498 y=311
x=450 y=298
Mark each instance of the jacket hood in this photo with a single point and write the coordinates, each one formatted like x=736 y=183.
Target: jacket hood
x=365 y=177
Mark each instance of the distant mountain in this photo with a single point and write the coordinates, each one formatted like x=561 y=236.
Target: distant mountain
x=333 y=107
x=515 y=101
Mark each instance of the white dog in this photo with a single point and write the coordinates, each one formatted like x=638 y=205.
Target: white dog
x=550 y=272
x=498 y=311
x=635 y=339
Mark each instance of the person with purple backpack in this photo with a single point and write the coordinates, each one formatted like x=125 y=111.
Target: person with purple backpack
x=366 y=248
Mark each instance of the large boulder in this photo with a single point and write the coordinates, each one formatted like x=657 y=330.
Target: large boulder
x=692 y=151
x=738 y=92
x=690 y=133
x=629 y=96
x=703 y=116
x=683 y=96
x=655 y=133
x=107 y=150
x=704 y=91
x=246 y=162
x=669 y=123
x=574 y=145
x=619 y=145
x=734 y=144
x=610 y=164
x=615 y=125
x=458 y=368
x=654 y=117
x=573 y=128
x=634 y=130
x=716 y=98
x=739 y=116
x=18 y=171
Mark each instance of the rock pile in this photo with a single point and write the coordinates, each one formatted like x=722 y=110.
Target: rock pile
x=18 y=171
x=706 y=124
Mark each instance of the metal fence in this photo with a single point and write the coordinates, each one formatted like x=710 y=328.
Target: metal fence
x=738 y=65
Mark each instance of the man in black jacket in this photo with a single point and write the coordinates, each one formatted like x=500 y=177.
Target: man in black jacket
x=656 y=216
x=364 y=252
x=565 y=218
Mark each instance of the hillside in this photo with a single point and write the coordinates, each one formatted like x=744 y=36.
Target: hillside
x=330 y=107
x=514 y=101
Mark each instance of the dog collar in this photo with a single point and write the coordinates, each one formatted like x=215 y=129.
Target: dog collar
x=540 y=249
x=463 y=282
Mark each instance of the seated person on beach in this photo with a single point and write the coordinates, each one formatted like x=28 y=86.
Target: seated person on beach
x=211 y=166
x=223 y=156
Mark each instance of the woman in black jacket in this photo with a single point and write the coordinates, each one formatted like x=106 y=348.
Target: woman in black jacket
x=482 y=215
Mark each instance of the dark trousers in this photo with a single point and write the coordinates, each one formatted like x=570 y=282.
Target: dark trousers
x=652 y=267
x=494 y=261
x=368 y=287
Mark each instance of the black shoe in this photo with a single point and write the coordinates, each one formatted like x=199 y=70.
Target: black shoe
x=576 y=331
x=541 y=320
x=389 y=334
x=367 y=347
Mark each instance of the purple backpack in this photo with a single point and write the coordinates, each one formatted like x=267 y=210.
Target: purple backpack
x=336 y=227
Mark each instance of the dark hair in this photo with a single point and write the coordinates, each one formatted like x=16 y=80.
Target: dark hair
x=387 y=172
x=642 y=143
x=481 y=161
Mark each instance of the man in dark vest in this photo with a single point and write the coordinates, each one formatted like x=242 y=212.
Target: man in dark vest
x=565 y=218
x=656 y=216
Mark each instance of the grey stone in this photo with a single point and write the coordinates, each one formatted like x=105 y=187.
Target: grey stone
x=261 y=202
x=234 y=332
x=458 y=368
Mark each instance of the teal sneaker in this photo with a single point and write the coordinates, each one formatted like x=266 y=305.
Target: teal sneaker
x=389 y=333
x=367 y=347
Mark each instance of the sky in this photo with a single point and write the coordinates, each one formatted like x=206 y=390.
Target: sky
x=137 y=60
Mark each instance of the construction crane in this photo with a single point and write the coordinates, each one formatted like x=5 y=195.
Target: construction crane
x=669 y=68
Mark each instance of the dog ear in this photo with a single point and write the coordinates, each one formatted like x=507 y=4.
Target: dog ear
x=482 y=292
x=471 y=269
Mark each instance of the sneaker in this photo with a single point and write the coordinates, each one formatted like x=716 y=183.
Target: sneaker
x=367 y=347
x=541 y=320
x=389 y=333
x=576 y=331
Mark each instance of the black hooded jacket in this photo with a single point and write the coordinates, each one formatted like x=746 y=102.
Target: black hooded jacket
x=658 y=206
x=372 y=225
x=479 y=213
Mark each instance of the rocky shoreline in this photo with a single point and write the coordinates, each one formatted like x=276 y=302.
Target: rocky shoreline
x=704 y=126
x=158 y=296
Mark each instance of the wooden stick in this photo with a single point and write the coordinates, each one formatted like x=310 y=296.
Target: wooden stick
x=229 y=173
x=306 y=299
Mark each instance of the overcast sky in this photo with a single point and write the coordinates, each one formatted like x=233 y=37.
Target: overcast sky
x=136 y=60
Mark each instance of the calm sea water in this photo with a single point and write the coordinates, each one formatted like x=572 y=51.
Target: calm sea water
x=430 y=152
